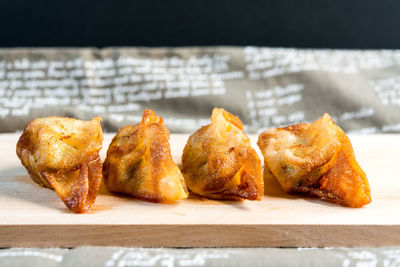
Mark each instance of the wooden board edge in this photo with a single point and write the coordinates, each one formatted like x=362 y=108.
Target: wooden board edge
x=199 y=235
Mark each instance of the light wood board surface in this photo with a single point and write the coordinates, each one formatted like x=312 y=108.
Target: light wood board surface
x=34 y=216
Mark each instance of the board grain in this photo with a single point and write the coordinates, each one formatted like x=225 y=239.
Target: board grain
x=34 y=216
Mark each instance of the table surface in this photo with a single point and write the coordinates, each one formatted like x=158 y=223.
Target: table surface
x=34 y=216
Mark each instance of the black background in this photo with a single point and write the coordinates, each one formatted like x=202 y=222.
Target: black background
x=286 y=23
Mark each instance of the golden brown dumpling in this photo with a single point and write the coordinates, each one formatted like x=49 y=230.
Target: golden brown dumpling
x=317 y=159
x=219 y=162
x=139 y=162
x=63 y=154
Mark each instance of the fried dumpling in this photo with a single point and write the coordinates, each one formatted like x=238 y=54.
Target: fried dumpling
x=63 y=154
x=219 y=162
x=317 y=159
x=139 y=162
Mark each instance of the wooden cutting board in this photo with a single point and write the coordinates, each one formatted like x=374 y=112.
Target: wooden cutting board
x=34 y=216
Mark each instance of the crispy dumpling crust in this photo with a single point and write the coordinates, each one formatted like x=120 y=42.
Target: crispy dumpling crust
x=317 y=159
x=219 y=162
x=63 y=154
x=139 y=162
